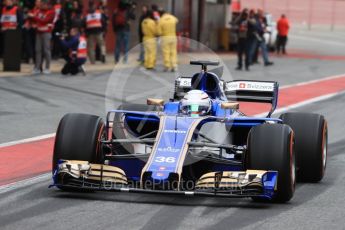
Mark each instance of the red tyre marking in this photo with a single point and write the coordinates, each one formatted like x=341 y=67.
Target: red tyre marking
x=110 y=132
x=293 y=183
x=98 y=140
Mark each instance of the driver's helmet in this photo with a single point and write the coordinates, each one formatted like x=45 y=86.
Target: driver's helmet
x=195 y=103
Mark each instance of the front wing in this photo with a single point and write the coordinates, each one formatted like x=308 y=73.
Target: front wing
x=236 y=184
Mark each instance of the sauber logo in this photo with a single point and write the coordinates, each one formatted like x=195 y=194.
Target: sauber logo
x=174 y=131
x=168 y=149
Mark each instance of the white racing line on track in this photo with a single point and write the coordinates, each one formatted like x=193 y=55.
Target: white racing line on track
x=43 y=177
x=318 y=40
x=312 y=81
x=27 y=140
x=23 y=183
x=303 y=103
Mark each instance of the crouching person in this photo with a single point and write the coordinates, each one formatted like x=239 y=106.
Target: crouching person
x=75 y=52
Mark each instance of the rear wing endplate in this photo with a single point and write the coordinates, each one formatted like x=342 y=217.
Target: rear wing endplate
x=253 y=91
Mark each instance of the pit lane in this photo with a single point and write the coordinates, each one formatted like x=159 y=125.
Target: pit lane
x=32 y=106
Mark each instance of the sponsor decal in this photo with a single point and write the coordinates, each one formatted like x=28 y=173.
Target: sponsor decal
x=168 y=149
x=161 y=159
x=185 y=82
x=174 y=131
x=252 y=86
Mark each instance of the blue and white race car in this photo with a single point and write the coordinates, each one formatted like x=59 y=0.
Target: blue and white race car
x=197 y=144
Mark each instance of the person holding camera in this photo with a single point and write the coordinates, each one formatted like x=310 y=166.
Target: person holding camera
x=75 y=52
x=121 y=27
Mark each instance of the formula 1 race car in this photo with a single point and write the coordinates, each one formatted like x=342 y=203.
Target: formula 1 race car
x=198 y=144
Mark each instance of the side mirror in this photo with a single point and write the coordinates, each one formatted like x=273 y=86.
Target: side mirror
x=230 y=105
x=154 y=101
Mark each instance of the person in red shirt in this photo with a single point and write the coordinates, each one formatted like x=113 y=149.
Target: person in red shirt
x=283 y=27
x=44 y=20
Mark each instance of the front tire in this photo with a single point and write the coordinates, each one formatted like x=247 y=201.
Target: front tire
x=78 y=138
x=311 y=144
x=271 y=147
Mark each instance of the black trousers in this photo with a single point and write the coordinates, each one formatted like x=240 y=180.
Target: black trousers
x=281 y=43
x=29 y=36
x=72 y=66
x=56 y=47
x=243 y=50
x=12 y=53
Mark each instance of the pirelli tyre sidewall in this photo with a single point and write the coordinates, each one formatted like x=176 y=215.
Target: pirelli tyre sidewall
x=271 y=147
x=311 y=134
x=78 y=138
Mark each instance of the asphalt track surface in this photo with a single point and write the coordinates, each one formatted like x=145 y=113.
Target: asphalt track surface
x=32 y=106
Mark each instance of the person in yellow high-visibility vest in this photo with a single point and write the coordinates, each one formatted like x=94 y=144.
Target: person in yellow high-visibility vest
x=167 y=29
x=150 y=31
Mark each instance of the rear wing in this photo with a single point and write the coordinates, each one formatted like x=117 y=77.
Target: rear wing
x=253 y=91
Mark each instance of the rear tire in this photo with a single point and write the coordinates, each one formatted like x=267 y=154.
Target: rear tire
x=271 y=147
x=77 y=138
x=311 y=144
